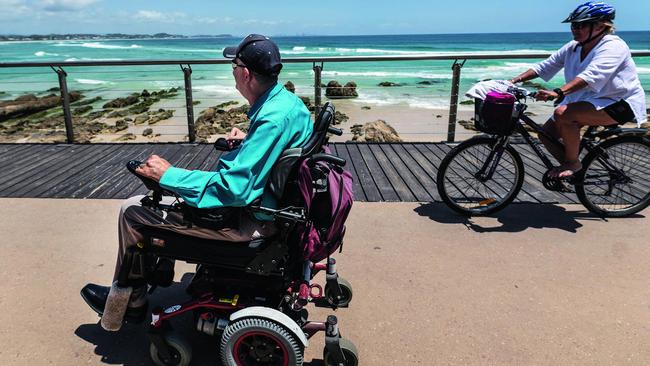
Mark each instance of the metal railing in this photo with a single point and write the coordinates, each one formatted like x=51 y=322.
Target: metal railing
x=458 y=61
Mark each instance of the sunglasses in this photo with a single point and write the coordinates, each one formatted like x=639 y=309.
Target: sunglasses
x=236 y=65
x=580 y=25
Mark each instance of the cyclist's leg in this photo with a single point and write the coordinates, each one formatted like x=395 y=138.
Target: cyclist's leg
x=569 y=119
x=551 y=128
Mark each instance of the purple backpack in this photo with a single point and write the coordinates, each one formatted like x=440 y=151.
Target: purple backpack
x=327 y=192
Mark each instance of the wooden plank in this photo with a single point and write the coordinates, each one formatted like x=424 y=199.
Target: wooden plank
x=62 y=174
x=36 y=157
x=10 y=152
x=116 y=172
x=124 y=187
x=341 y=151
x=427 y=171
x=408 y=170
x=44 y=162
x=398 y=184
x=378 y=177
x=366 y=180
x=95 y=175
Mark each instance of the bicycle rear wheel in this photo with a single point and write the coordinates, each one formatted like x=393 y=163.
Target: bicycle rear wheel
x=615 y=181
x=461 y=187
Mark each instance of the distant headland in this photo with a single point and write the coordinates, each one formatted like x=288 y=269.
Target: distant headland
x=87 y=36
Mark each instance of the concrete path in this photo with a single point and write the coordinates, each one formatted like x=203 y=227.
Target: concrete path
x=536 y=285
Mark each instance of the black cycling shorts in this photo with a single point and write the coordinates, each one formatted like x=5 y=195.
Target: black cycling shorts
x=620 y=112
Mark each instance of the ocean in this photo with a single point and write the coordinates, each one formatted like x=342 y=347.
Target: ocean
x=213 y=83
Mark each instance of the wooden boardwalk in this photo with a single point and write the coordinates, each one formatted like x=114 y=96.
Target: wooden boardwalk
x=382 y=172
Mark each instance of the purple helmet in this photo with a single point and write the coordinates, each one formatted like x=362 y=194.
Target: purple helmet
x=591 y=11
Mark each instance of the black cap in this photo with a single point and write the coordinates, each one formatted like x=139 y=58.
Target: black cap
x=258 y=53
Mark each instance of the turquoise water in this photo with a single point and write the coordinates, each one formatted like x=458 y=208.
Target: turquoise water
x=214 y=82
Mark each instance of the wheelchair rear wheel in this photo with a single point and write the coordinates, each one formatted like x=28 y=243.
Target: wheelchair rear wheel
x=259 y=342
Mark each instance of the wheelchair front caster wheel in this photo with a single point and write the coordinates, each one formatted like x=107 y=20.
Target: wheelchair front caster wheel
x=349 y=351
x=346 y=293
x=180 y=350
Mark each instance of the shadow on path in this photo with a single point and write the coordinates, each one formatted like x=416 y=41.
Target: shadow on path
x=130 y=345
x=514 y=218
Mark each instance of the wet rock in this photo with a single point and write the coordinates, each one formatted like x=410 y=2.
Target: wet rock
x=56 y=89
x=81 y=110
x=340 y=117
x=96 y=114
x=365 y=107
x=121 y=125
x=377 y=131
x=145 y=94
x=467 y=102
x=29 y=104
x=335 y=90
x=122 y=102
x=196 y=102
x=426 y=82
x=290 y=87
x=389 y=84
x=141 y=119
x=147 y=132
x=118 y=114
x=126 y=137
x=219 y=121
x=438 y=115
x=86 y=102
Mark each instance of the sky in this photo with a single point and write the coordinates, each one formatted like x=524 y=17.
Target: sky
x=331 y=17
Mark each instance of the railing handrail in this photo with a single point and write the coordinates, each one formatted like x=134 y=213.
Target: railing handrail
x=328 y=59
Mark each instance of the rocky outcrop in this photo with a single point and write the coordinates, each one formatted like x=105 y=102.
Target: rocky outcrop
x=290 y=87
x=215 y=120
x=122 y=102
x=335 y=90
x=377 y=131
x=389 y=84
x=30 y=104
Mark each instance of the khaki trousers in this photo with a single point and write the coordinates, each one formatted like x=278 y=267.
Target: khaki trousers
x=133 y=217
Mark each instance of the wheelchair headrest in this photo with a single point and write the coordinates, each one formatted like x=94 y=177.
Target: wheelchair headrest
x=322 y=123
x=288 y=160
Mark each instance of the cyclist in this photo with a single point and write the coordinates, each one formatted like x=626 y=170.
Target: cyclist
x=602 y=86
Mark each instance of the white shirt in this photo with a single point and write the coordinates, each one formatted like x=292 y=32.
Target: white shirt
x=608 y=70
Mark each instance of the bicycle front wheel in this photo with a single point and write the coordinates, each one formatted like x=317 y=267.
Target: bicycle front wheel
x=615 y=181
x=464 y=189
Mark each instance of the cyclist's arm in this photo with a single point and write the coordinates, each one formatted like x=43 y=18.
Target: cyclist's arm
x=524 y=76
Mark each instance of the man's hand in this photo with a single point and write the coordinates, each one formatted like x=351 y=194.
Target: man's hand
x=545 y=95
x=236 y=135
x=153 y=168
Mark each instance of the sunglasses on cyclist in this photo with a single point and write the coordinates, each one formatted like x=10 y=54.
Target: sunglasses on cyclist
x=580 y=25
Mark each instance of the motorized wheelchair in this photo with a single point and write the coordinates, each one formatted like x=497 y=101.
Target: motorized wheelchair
x=252 y=295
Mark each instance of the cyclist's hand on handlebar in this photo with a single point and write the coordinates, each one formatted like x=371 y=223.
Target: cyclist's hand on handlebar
x=545 y=95
x=153 y=168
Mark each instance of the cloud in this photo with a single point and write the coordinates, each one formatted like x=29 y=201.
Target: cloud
x=65 y=5
x=156 y=16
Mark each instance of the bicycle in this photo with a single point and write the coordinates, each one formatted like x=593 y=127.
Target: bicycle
x=484 y=174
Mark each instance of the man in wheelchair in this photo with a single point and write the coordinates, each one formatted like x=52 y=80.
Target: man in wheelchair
x=193 y=215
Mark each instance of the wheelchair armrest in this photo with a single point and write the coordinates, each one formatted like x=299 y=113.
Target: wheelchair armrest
x=289 y=213
x=328 y=158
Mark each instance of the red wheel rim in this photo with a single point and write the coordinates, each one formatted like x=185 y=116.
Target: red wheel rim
x=260 y=348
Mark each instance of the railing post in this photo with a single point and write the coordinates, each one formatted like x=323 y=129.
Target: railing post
x=317 y=86
x=65 y=98
x=453 y=103
x=189 y=103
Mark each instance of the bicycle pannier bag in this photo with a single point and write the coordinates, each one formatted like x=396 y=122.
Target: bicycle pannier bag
x=494 y=115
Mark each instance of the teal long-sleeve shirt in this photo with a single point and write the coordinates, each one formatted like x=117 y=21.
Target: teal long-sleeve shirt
x=279 y=120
